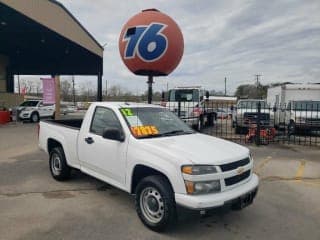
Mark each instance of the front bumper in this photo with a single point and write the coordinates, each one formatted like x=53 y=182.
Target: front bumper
x=24 y=115
x=190 y=120
x=201 y=202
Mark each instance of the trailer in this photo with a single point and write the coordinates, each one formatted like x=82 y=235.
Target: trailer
x=192 y=105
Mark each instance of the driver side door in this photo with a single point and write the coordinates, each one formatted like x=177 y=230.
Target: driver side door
x=101 y=157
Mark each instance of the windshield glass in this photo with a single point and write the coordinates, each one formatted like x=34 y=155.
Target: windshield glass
x=184 y=95
x=154 y=122
x=306 y=106
x=29 y=104
x=252 y=104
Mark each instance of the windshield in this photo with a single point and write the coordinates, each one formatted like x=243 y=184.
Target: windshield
x=29 y=104
x=184 y=95
x=154 y=122
x=252 y=104
x=306 y=106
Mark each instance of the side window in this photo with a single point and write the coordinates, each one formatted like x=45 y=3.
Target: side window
x=104 y=118
x=289 y=106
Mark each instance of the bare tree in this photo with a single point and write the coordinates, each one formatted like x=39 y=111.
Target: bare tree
x=65 y=91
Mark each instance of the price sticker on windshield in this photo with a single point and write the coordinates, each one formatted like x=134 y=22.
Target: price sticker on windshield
x=140 y=131
x=127 y=112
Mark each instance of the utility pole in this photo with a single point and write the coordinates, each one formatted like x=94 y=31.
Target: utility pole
x=106 y=88
x=258 y=84
x=73 y=91
x=225 y=86
x=257 y=79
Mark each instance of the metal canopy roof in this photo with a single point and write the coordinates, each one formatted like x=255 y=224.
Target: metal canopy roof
x=42 y=37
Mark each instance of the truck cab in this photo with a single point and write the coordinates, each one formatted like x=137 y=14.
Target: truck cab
x=189 y=103
x=246 y=113
x=302 y=115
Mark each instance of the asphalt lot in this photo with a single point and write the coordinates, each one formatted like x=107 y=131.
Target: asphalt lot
x=34 y=206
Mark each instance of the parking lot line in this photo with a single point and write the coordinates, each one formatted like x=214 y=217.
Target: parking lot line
x=300 y=171
x=263 y=164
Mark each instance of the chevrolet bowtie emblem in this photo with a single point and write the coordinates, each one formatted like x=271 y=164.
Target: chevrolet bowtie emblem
x=240 y=170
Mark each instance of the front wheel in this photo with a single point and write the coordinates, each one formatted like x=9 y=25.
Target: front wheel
x=291 y=128
x=155 y=204
x=238 y=129
x=34 y=117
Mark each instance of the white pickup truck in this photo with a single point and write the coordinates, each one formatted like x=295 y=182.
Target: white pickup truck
x=146 y=150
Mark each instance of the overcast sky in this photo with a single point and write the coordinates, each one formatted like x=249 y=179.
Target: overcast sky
x=233 y=39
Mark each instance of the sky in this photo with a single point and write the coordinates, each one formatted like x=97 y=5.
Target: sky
x=279 y=39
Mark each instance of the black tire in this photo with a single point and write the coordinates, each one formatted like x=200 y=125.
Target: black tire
x=158 y=191
x=34 y=117
x=210 y=119
x=59 y=168
x=291 y=128
x=238 y=129
x=53 y=115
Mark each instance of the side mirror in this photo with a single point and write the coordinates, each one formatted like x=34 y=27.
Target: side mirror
x=232 y=108
x=113 y=134
x=207 y=94
x=274 y=109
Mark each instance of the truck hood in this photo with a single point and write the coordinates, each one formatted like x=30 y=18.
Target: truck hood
x=197 y=148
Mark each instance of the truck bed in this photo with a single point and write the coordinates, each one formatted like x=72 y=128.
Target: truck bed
x=71 y=123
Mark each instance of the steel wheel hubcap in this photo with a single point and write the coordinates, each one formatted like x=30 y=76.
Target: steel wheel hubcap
x=56 y=164
x=151 y=204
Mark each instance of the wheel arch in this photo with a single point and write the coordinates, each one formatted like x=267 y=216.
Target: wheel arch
x=141 y=171
x=52 y=143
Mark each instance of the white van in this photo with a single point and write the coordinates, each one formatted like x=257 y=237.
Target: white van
x=292 y=102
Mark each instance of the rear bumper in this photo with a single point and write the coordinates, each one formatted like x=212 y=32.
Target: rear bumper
x=313 y=126
x=218 y=199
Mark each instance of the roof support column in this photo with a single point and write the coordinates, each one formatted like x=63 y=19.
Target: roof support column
x=99 y=89
x=57 y=92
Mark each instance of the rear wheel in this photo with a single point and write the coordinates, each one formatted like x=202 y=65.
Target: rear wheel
x=155 y=204
x=58 y=165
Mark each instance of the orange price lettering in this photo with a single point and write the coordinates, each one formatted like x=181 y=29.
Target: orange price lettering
x=139 y=131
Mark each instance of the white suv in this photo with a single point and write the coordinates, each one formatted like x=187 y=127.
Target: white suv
x=33 y=110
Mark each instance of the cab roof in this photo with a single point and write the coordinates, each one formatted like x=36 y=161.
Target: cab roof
x=124 y=104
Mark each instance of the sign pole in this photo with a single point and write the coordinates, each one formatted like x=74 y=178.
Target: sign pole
x=150 y=82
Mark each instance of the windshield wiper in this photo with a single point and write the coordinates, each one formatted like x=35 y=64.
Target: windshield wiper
x=176 y=132
x=171 y=133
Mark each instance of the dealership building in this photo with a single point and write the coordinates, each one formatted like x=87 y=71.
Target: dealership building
x=44 y=38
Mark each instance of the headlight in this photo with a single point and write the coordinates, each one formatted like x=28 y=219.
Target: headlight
x=206 y=187
x=198 y=169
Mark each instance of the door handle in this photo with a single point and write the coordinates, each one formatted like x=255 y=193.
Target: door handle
x=89 y=140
